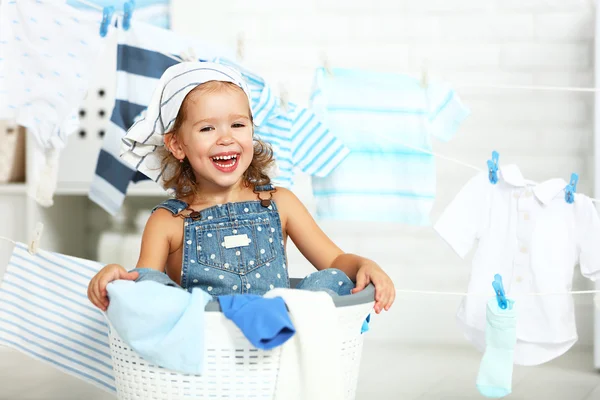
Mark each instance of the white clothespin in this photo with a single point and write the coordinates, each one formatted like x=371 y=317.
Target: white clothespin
x=425 y=74
x=283 y=96
x=240 y=46
x=36 y=237
x=597 y=300
x=326 y=64
x=188 y=55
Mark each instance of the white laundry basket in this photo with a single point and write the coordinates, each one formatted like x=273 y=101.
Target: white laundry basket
x=233 y=368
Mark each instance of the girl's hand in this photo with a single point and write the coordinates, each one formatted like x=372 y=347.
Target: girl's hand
x=97 y=287
x=385 y=293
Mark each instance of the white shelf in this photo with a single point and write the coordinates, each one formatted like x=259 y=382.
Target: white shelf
x=13 y=188
x=144 y=188
x=72 y=190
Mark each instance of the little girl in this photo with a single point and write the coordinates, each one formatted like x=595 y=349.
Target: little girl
x=227 y=228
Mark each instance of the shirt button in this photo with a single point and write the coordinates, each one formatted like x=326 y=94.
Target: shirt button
x=523 y=249
x=526 y=216
x=516 y=195
x=519 y=279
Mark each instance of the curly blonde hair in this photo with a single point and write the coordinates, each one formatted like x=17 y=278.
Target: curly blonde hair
x=180 y=175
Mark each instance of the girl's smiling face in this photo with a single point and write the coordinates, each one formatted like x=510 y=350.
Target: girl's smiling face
x=215 y=134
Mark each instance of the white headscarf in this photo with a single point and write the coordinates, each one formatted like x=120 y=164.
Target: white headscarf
x=146 y=136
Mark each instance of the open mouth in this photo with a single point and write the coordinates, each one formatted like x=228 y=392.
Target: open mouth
x=225 y=163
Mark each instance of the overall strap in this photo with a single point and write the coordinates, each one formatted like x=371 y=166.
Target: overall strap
x=173 y=205
x=268 y=190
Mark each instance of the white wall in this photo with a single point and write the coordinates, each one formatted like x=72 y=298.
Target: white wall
x=465 y=42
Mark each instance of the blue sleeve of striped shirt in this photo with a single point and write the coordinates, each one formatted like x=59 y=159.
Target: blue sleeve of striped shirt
x=446 y=113
x=315 y=150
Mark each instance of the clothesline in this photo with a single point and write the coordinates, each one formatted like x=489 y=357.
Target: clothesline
x=443 y=293
x=533 y=87
x=454 y=160
x=490 y=293
x=91 y=5
x=8 y=240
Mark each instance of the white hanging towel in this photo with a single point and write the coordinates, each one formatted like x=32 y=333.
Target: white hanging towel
x=45 y=314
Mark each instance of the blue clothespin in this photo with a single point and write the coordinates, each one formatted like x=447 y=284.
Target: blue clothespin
x=493 y=167
x=499 y=288
x=365 y=325
x=107 y=14
x=571 y=188
x=127 y=13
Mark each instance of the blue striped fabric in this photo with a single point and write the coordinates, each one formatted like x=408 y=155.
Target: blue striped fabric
x=45 y=313
x=383 y=118
x=141 y=60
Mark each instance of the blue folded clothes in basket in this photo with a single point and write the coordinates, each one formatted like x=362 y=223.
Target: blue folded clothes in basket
x=165 y=325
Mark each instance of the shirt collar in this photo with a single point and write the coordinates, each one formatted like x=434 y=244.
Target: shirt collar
x=545 y=191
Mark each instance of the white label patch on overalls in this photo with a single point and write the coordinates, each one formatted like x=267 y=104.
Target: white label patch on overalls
x=236 y=241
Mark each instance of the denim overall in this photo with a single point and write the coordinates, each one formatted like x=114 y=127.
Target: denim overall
x=237 y=248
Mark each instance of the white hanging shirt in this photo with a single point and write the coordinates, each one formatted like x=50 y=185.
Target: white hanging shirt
x=533 y=238
x=48 y=52
x=388 y=122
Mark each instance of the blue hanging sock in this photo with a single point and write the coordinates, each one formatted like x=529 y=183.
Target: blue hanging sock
x=107 y=14
x=494 y=379
x=127 y=13
x=493 y=168
x=571 y=188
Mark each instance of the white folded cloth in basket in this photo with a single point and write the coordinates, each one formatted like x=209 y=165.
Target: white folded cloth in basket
x=309 y=366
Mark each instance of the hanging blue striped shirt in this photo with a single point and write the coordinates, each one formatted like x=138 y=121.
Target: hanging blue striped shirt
x=141 y=60
x=383 y=119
